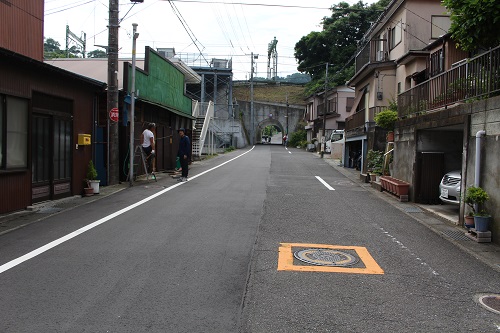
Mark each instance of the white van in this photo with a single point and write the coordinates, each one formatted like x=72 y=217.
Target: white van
x=335 y=143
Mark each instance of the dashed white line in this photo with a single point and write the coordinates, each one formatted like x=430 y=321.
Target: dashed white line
x=46 y=247
x=325 y=183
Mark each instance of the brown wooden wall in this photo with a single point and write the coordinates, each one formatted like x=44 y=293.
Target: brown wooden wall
x=21 y=27
x=21 y=79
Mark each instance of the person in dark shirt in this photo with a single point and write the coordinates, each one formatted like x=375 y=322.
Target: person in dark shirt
x=184 y=153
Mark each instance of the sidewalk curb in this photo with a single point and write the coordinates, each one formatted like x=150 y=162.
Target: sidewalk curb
x=490 y=248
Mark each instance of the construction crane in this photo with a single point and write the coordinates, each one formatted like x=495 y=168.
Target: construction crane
x=272 y=73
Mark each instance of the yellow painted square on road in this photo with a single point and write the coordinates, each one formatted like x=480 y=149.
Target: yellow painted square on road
x=285 y=260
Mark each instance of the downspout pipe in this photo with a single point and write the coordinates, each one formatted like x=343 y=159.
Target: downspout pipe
x=477 y=168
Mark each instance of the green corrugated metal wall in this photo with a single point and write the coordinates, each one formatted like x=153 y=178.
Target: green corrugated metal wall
x=164 y=84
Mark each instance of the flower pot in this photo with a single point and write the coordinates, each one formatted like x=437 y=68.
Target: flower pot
x=469 y=221
x=95 y=185
x=482 y=223
x=89 y=191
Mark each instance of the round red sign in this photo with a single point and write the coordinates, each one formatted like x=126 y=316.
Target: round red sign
x=113 y=114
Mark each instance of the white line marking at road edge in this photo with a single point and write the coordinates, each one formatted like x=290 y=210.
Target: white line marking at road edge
x=46 y=247
x=289 y=152
x=325 y=183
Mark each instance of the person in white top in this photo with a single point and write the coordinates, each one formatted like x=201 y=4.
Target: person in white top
x=148 y=143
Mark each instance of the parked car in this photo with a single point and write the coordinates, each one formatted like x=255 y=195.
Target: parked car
x=337 y=135
x=449 y=187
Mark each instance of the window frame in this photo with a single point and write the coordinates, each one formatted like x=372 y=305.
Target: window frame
x=5 y=133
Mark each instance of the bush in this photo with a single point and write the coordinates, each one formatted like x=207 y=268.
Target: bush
x=386 y=119
x=228 y=149
x=374 y=160
x=297 y=137
x=91 y=171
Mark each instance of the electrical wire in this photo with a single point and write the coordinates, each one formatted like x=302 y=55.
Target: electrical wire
x=65 y=9
x=187 y=29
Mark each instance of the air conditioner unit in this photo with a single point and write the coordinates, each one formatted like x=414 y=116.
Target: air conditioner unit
x=380 y=55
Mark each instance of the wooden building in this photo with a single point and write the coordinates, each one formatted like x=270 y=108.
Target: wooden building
x=43 y=109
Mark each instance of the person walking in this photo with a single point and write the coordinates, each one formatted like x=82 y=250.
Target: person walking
x=148 y=145
x=184 y=153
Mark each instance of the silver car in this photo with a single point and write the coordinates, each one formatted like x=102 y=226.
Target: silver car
x=449 y=188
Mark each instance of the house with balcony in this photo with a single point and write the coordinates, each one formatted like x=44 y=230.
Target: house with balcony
x=338 y=106
x=450 y=120
x=389 y=57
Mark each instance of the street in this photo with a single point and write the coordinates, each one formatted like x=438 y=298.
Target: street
x=214 y=254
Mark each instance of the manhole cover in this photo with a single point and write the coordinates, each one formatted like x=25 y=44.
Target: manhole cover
x=325 y=257
x=490 y=302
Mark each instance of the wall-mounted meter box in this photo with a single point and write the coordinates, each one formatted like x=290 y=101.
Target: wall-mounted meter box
x=84 y=139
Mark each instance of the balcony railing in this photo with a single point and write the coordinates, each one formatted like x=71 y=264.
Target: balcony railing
x=359 y=118
x=371 y=52
x=473 y=79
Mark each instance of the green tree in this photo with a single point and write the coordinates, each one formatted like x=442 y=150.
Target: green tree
x=52 y=49
x=97 y=54
x=336 y=43
x=474 y=23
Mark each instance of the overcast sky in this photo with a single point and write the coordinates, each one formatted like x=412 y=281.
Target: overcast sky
x=232 y=29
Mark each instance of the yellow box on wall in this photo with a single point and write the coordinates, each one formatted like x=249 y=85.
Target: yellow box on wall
x=84 y=139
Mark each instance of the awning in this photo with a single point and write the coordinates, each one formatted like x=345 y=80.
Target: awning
x=360 y=95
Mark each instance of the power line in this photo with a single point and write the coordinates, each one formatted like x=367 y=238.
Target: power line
x=250 y=4
x=187 y=29
x=65 y=9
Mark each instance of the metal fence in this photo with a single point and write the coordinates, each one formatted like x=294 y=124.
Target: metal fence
x=471 y=79
x=359 y=118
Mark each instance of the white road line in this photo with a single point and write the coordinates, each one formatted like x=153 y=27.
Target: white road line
x=289 y=152
x=46 y=247
x=325 y=183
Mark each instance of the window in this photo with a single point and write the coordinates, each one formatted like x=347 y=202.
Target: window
x=332 y=107
x=396 y=33
x=13 y=132
x=399 y=87
x=349 y=104
x=440 y=25
x=436 y=62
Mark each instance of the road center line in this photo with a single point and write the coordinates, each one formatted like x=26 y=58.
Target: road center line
x=325 y=183
x=13 y=263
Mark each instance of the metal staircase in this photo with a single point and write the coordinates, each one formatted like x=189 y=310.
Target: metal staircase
x=202 y=121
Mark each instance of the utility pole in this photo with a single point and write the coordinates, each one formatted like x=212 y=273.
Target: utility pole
x=324 y=112
x=112 y=96
x=287 y=116
x=252 y=115
x=132 y=106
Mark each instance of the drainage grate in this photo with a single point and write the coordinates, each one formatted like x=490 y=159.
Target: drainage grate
x=325 y=257
x=456 y=235
x=410 y=209
x=490 y=302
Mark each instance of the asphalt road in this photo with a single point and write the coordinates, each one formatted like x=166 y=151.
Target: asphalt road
x=203 y=256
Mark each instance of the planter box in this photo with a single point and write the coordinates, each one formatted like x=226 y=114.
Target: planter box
x=395 y=186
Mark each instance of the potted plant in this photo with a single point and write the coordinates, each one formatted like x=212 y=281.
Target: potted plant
x=374 y=163
x=387 y=119
x=475 y=197
x=92 y=177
